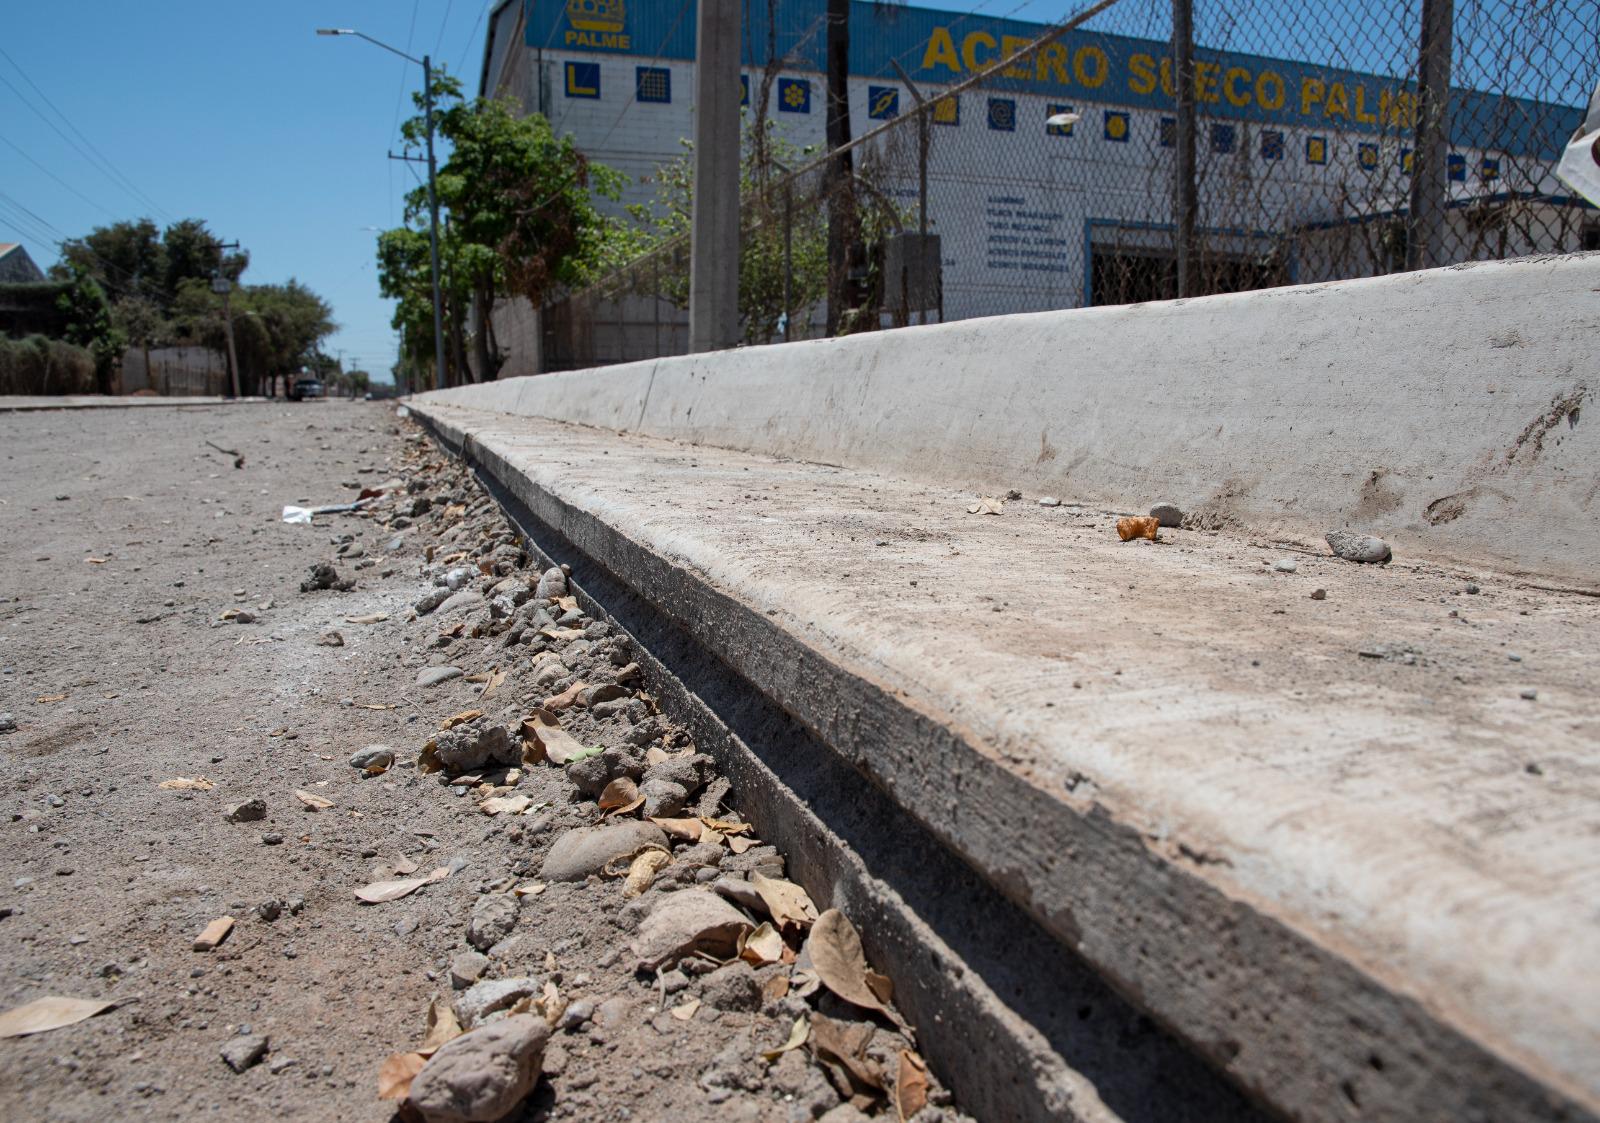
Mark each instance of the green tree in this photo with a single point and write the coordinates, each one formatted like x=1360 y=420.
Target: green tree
x=125 y=258
x=521 y=219
x=89 y=324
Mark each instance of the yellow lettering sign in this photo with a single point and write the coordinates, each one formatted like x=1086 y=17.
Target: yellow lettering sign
x=1050 y=63
x=1141 y=74
x=1091 y=66
x=941 y=51
x=969 y=49
x=1311 y=92
x=1230 y=86
x=1010 y=45
x=1269 y=90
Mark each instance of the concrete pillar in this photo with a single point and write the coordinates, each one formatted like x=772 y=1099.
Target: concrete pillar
x=714 y=237
x=1430 y=182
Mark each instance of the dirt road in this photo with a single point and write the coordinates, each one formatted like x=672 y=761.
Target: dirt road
x=153 y=628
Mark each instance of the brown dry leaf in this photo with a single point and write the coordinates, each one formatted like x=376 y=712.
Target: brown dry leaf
x=842 y=1046
x=49 y=1013
x=44 y=698
x=774 y=989
x=451 y=559
x=514 y=804
x=457 y=719
x=725 y=826
x=797 y=1037
x=405 y=865
x=568 y=697
x=655 y=754
x=443 y=1026
x=454 y=511
x=312 y=802
x=834 y=947
x=987 y=505
x=380 y=891
x=563 y=634
x=761 y=946
x=497 y=679
x=788 y=904
x=739 y=843
x=687 y=829
x=214 y=933
x=567 y=604
x=369 y=618
x=185 y=784
x=618 y=793
x=686 y=1011
x=642 y=872
x=428 y=759
x=558 y=746
x=94 y=561
x=377 y=705
x=396 y=1074
x=530 y=889
x=910 y=1085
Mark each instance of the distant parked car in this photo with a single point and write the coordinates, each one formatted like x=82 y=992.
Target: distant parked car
x=307 y=388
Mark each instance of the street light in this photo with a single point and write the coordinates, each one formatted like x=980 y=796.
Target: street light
x=433 y=197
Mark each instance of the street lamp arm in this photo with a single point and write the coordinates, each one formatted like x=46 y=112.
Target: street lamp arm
x=368 y=38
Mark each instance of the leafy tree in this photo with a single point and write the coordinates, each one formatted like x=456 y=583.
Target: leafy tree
x=521 y=219
x=126 y=258
x=89 y=324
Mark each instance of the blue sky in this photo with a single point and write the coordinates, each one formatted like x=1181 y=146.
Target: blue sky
x=239 y=114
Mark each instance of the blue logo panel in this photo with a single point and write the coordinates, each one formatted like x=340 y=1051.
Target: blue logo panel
x=1052 y=110
x=1457 y=164
x=1316 y=150
x=1367 y=157
x=794 y=95
x=1116 y=127
x=1271 y=144
x=583 y=79
x=1003 y=114
x=883 y=102
x=1168 y=134
x=947 y=110
x=1224 y=138
x=655 y=85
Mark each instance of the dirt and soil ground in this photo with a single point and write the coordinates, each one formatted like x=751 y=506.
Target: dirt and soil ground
x=154 y=628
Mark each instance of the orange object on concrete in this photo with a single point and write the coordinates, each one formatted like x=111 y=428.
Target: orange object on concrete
x=1138 y=526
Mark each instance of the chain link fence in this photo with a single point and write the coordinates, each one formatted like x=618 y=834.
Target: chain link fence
x=1144 y=150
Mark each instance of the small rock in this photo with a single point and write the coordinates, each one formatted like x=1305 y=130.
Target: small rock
x=1530 y=695
x=433 y=676
x=474 y=744
x=373 y=756
x=686 y=922
x=8 y=724
x=481 y=1076
x=250 y=811
x=581 y=852
x=272 y=838
x=733 y=987
x=1472 y=589
x=467 y=968
x=552 y=583
x=243 y=1052
x=493 y=918
x=844 y=1113
x=1167 y=514
x=329 y=639
x=663 y=798
x=1286 y=565
x=244 y=617
x=1049 y=501
x=591 y=774
x=576 y=1014
x=484 y=998
x=1319 y=594
x=431 y=600
x=269 y=910
x=740 y=892
x=458 y=602
x=324 y=576
x=1352 y=546
x=458 y=577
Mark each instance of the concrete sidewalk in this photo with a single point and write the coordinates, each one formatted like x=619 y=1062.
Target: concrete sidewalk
x=29 y=403
x=1343 y=847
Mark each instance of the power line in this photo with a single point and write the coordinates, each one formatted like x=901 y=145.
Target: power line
x=99 y=160
x=58 y=179
x=442 y=24
x=399 y=98
x=483 y=10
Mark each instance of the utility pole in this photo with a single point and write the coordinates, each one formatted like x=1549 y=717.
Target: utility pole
x=1185 y=194
x=840 y=180
x=1430 y=180
x=714 y=236
x=221 y=283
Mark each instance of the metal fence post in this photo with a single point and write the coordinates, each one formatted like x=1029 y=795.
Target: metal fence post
x=1430 y=184
x=1185 y=194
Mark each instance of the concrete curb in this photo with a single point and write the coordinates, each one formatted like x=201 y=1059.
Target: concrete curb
x=41 y=404
x=1294 y=1021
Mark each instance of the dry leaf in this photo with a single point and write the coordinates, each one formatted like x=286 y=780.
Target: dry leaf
x=987 y=505
x=567 y=604
x=49 y=1013
x=558 y=746
x=515 y=804
x=774 y=989
x=563 y=634
x=762 y=946
x=214 y=933
x=94 y=561
x=739 y=843
x=834 y=947
x=497 y=679
x=789 y=905
x=687 y=1010
x=405 y=865
x=797 y=1037
x=568 y=697
x=642 y=872
x=443 y=1026
x=842 y=1047
x=43 y=698
x=725 y=826
x=396 y=1074
x=184 y=784
x=530 y=889
x=457 y=719
x=369 y=618
x=655 y=754
x=910 y=1085
x=312 y=802
x=380 y=891
x=687 y=829
x=618 y=793
x=552 y=1003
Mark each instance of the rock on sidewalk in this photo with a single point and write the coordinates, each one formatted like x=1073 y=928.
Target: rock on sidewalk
x=242 y=1052
x=1167 y=514
x=482 y=999
x=579 y=853
x=493 y=918
x=475 y=743
x=250 y=811
x=433 y=676
x=480 y=1076
x=552 y=583
x=1353 y=546
x=685 y=922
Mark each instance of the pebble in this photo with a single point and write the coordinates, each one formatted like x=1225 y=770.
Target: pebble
x=1353 y=546
x=1167 y=514
x=687 y=922
x=481 y=1075
x=1286 y=565
x=8 y=724
x=1513 y=656
x=576 y=1014
x=493 y=918
x=272 y=838
x=733 y=987
x=250 y=811
x=1530 y=694
x=431 y=601
x=433 y=676
x=484 y=998
x=458 y=577
x=467 y=968
x=465 y=599
x=244 y=1051
x=552 y=583
x=1049 y=501
x=1473 y=589
x=581 y=852
x=371 y=757
x=1319 y=594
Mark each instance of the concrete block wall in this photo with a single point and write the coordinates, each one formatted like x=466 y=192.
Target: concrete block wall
x=1445 y=410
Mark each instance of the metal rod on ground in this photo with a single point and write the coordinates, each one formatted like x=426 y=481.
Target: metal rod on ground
x=714 y=235
x=1185 y=193
x=1430 y=182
